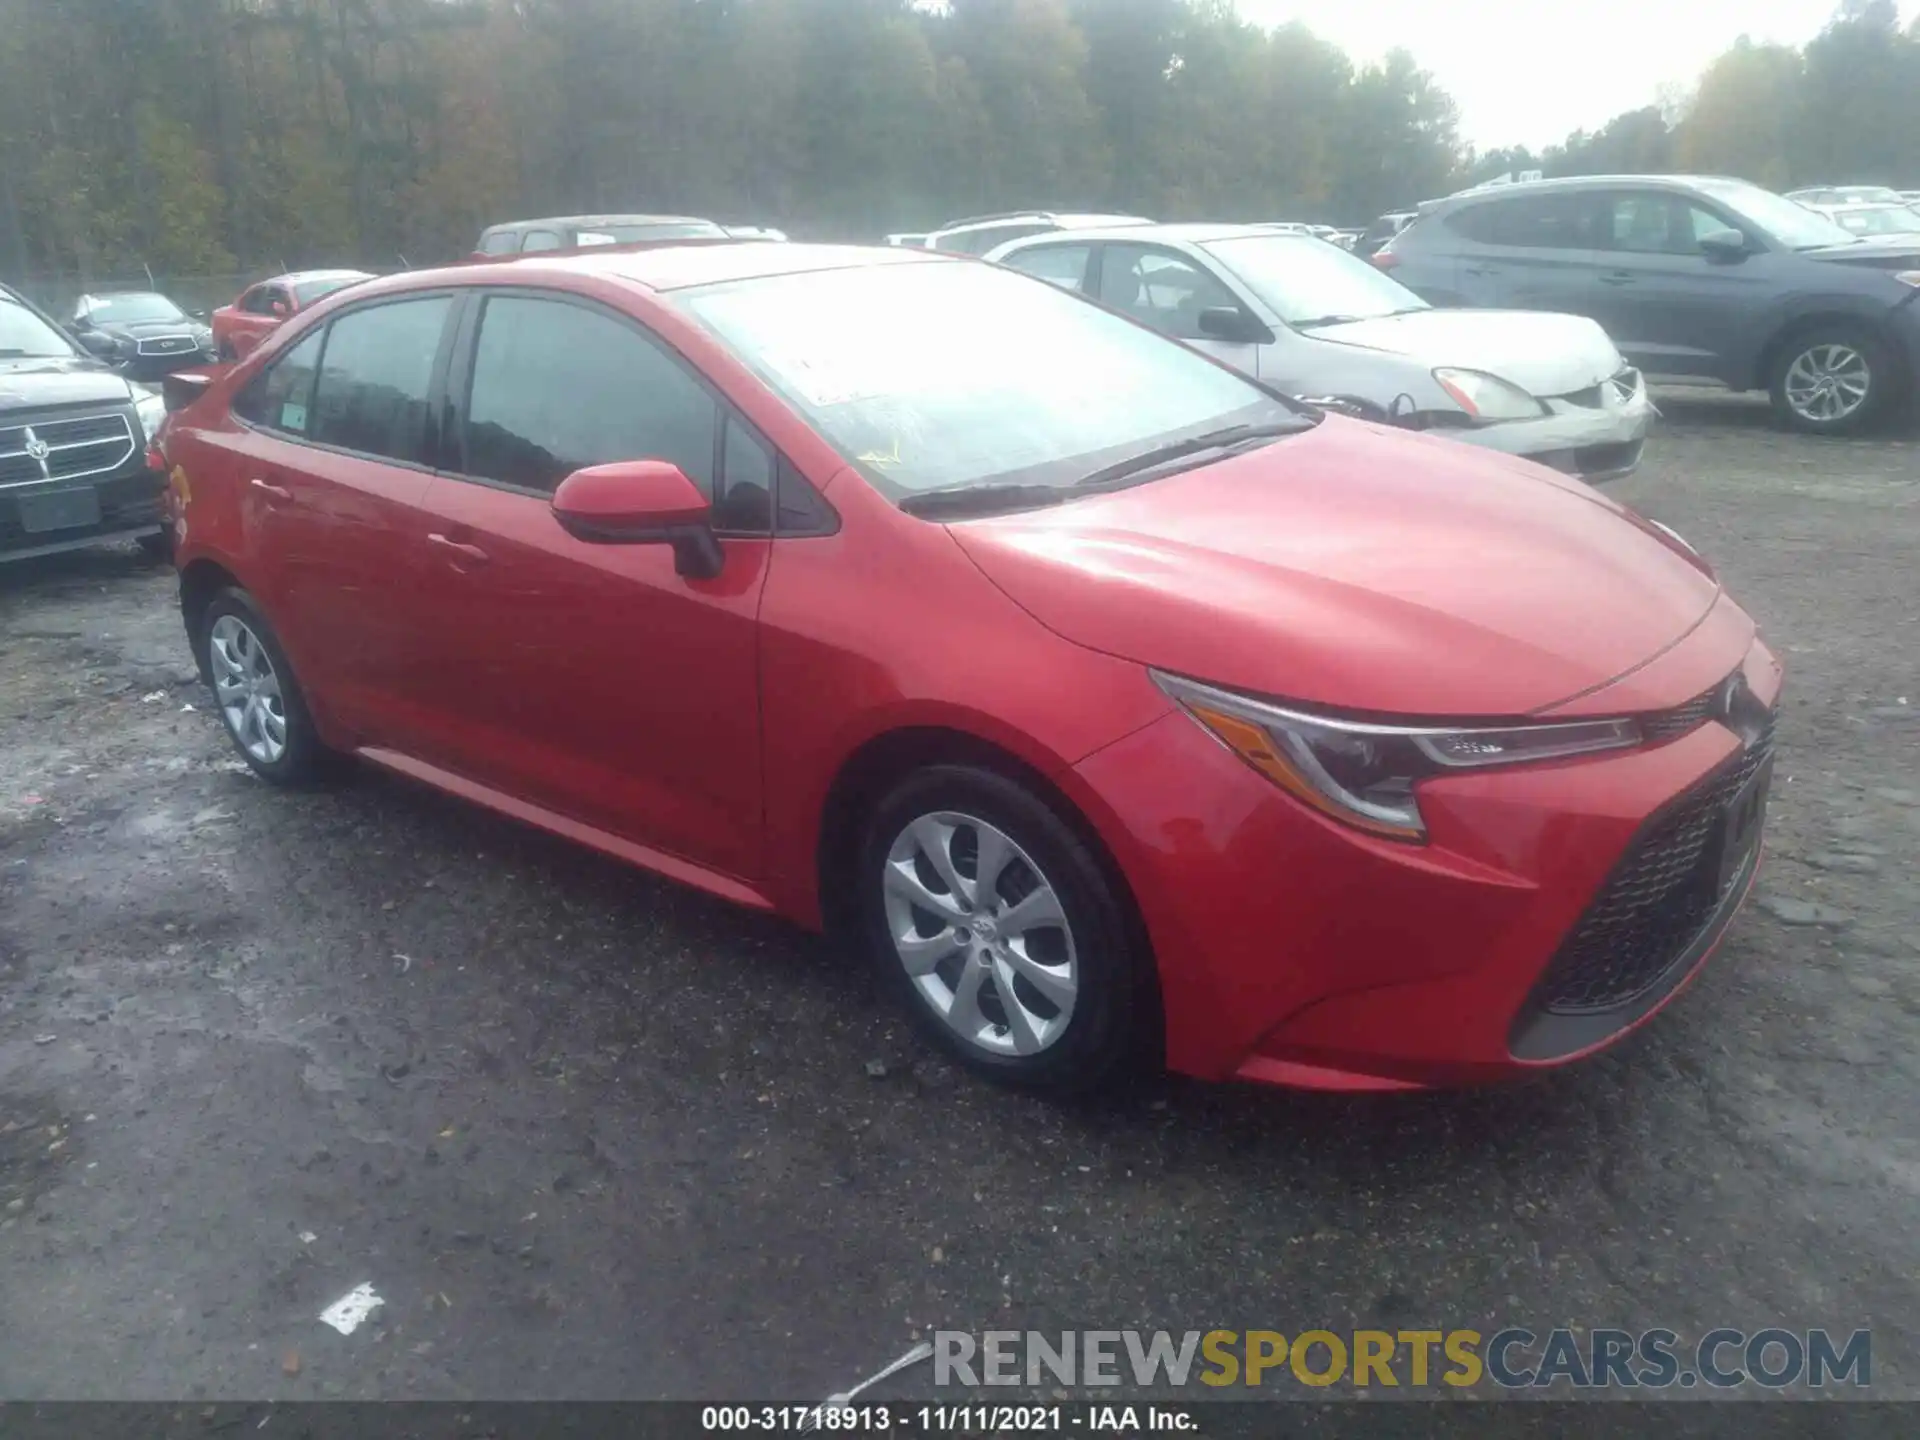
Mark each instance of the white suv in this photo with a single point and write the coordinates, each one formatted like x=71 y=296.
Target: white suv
x=983 y=232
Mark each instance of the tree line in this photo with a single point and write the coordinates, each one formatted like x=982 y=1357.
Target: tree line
x=208 y=136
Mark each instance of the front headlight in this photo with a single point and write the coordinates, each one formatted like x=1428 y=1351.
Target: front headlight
x=1488 y=397
x=151 y=409
x=1364 y=774
x=1908 y=277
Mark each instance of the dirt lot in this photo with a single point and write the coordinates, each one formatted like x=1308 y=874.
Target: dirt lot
x=592 y=1135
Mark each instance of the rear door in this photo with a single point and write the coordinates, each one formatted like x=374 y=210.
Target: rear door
x=336 y=457
x=1530 y=252
x=592 y=679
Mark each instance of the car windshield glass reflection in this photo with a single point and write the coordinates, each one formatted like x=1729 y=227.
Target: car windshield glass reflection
x=1305 y=280
x=933 y=375
x=133 y=310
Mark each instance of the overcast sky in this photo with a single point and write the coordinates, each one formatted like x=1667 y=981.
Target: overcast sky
x=1517 y=84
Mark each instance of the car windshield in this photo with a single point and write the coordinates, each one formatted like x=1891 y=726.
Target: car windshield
x=1787 y=221
x=24 y=335
x=1305 y=280
x=1879 y=220
x=937 y=375
x=132 y=309
x=308 y=291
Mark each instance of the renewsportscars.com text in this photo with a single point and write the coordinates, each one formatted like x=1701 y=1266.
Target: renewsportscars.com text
x=1513 y=1358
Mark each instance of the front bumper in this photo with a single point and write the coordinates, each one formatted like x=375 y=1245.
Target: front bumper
x=1595 y=436
x=1295 y=950
x=127 y=505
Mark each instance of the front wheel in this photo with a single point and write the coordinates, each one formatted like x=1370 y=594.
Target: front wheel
x=1832 y=380
x=997 y=925
x=256 y=693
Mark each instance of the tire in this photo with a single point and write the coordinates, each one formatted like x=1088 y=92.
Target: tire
x=1088 y=1026
x=1833 y=379
x=278 y=741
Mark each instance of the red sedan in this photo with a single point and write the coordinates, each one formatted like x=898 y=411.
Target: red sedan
x=261 y=309
x=1110 y=705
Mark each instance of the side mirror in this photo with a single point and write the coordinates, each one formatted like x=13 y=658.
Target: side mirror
x=1237 y=327
x=196 y=314
x=1724 y=247
x=641 y=502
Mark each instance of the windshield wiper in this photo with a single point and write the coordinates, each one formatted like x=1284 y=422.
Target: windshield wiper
x=957 y=502
x=1181 y=449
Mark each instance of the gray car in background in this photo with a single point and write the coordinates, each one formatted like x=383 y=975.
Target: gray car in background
x=1308 y=319
x=1695 y=278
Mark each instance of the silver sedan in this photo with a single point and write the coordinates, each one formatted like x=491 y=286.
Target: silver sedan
x=1310 y=319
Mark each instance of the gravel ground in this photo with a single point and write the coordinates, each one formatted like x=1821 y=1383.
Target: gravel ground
x=593 y=1135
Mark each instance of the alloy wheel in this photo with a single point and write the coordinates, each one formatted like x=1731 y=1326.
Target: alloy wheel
x=1828 y=383
x=248 y=689
x=981 y=933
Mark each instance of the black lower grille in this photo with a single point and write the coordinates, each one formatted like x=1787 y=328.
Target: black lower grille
x=1661 y=896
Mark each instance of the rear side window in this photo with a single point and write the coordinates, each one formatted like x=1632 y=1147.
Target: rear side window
x=1062 y=265
x=1538 y=222
x=557 y=387
x=500 y=242
x=540 y=240
x=375 y=378
x=280 y=397
x=259 y=300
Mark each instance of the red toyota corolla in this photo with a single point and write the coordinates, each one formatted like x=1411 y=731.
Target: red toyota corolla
x=1113 y=705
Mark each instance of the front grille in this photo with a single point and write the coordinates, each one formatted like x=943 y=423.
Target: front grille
x=1680 y=720
x=64 y=449
x=1657 y=903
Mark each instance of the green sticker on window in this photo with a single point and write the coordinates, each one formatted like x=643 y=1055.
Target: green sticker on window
x=293 y=417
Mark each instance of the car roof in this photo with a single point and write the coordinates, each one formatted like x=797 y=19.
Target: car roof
x=1192 y=232
x=1574 y=182
x=1066 y=220
x=679 y=267
x=301 y=277
x=587 y=222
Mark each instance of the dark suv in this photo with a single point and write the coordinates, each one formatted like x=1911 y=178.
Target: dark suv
x=73 y=443
x=1695 y=278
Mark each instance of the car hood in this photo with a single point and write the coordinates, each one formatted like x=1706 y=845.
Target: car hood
x=1543 y=354
x=1885 y=252
x=1357 y=568
x=147 y=329
x=44 y=381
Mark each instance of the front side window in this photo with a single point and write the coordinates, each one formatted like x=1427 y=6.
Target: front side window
x=500 y=242
x=540 y=240
x=375 y=378
x=1062 y=265
x=1651 y=224
x=1307 y=282
x=259 y=300
x=280 y=397
x=308 y=291
x=558 y=387
x=1789 y=223
x=990 y=379
x=1161 y=289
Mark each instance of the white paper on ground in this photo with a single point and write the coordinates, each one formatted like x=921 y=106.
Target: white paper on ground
x=346 y=1313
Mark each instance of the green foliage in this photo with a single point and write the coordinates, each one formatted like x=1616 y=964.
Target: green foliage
x=204 y=135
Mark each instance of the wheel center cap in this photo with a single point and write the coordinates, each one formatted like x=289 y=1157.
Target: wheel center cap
x=984 y=928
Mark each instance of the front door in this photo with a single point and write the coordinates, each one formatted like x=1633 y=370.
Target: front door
x=592 y=679
x=1169 y=291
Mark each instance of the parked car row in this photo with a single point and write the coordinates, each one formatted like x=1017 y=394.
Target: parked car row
x=1113 y=704
x=1696 y=278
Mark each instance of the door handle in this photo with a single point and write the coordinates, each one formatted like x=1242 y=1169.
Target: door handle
x=278 y=492
x=1617 y=277
x=473 y=554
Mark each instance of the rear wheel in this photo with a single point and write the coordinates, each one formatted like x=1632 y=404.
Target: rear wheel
x=1833 y=379
x=256 y=693
x=992 y=919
